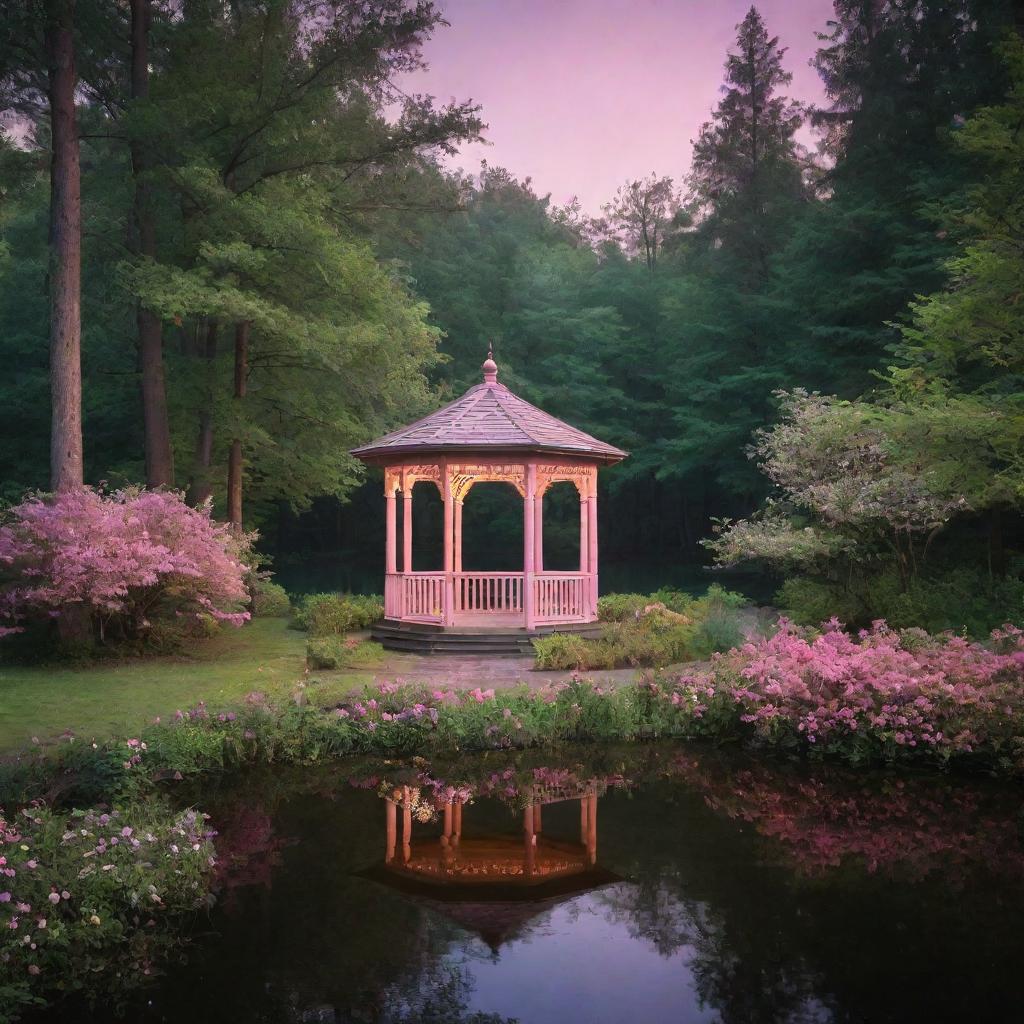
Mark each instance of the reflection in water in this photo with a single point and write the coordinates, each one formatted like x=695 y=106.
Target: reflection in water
x=722 y=889
x=492 y=885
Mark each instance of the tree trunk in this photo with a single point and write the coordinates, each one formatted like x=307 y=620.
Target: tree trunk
x=200 y=487
x=159 y=453
x=235 y=455
x=66 y=471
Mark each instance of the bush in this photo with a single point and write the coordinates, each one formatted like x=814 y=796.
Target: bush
x=652 y=630
x=569 y=651
x=330 y=652
x=959 y=600
x=96 y=925
x=270 y=600
x=117 y=564
x=620 y=607
x=336 y=614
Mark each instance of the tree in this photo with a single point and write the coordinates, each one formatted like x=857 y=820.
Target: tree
x=66 y=468
x=746 y=172
x=640 y=216
x=898 y=77
x=157 y=433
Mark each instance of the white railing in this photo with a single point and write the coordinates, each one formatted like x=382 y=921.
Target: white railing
x=488 y=592
x=560 y=597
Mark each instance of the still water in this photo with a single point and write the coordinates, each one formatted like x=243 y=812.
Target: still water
x=658 y=885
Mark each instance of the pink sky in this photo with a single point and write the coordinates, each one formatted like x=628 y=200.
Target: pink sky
x=582 y=95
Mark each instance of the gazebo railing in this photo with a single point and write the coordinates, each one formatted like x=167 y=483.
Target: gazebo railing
x=560 y=596
x=488 y=592
x=429 y=596
x=419 y=596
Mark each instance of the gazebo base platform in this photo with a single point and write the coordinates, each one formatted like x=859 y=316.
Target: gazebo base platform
x=492 y=636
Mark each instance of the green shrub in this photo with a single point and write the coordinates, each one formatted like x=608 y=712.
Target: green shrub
x=270 y=600
x=330 y=652
x=959 y=600
x=335 y=614
x=652 y=630
x=720 y=631
x=620 y=607
x=567 y=651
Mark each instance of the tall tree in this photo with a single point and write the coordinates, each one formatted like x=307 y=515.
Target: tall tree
x=157 y=431
x=66 y=467
x=746 y=172
x=899 y=77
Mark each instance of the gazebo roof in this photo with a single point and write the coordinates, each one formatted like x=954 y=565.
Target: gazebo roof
x=489 y=419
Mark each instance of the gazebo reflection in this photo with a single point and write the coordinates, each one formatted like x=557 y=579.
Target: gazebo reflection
x=493 y=884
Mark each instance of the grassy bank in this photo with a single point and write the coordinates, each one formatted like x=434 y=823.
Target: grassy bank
x=107 y=699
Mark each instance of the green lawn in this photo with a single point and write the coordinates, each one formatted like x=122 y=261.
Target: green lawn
x=117 y=698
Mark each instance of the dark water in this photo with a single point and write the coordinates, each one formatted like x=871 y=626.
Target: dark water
x=669 y=885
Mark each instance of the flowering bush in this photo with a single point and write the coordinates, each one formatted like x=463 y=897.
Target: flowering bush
x=90 y=899
x=132 y=559
x=880 y=695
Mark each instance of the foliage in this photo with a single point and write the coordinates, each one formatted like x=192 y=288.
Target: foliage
x=270 y=600
x=656 y=629
x=956 y=599
x=746 y=162
x=872 y=489
x=131 y=559
x=881 y=696
x=330 y=652
x=92 y=901
x=337 y=614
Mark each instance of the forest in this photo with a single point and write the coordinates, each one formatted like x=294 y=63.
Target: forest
x=813 y=355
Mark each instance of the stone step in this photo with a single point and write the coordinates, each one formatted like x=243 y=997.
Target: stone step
x=429 y=637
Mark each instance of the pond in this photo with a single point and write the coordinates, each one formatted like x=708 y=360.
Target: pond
x=650 y=885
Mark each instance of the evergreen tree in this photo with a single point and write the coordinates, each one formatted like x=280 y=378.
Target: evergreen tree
x=746 y=173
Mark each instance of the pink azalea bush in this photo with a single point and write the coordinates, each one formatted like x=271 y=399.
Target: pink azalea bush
x=129 y=557
x=879 y=694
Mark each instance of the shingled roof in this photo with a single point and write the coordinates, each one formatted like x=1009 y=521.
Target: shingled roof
x=489 y=418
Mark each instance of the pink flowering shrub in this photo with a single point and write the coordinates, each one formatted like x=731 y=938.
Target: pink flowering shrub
x=880 y=694
x=131 y=558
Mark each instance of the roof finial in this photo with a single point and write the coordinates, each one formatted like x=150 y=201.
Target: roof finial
x=490 y=367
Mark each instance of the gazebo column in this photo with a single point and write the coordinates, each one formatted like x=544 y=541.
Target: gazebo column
x=391 y=557
x=584 y=543
x=406 y=527
x=538 y=533
x=449 y=548
x=529 y=521
x=592 y=546
x=458 y=535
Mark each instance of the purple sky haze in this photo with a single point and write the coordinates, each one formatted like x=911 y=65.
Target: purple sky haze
x=582 y=95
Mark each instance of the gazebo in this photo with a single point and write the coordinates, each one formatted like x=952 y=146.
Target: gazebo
x=489 y=434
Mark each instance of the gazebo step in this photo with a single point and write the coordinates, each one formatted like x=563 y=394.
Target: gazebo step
x=429 y=637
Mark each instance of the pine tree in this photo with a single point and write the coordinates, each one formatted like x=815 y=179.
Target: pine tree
x=746 y=172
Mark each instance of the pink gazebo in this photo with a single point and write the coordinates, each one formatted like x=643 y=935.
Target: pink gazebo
x=489 y=434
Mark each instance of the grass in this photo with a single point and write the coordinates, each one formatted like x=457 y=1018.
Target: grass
x=117 y=698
